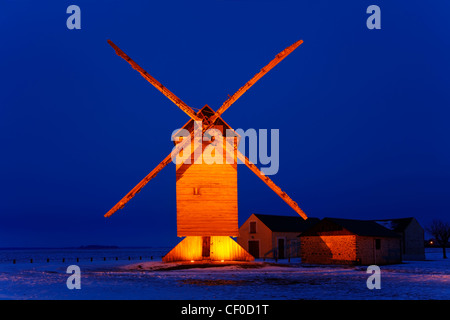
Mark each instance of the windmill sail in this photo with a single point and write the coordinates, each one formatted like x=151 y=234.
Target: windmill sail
x=208 y=123
x=283 y=195
x=183 y=106
x=278 y=58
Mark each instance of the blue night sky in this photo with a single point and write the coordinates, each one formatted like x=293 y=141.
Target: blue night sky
x=363 y=114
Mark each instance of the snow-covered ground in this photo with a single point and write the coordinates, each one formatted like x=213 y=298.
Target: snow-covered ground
x=141 y=279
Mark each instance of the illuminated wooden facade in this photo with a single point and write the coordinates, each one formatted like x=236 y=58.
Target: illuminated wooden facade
x=206 y=192
x=214 y=248
x=207 y=188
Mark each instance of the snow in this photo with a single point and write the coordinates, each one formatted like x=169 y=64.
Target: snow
x=152 y=279
x=388 y=224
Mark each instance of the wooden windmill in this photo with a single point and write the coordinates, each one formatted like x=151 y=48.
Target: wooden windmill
x=207 y=209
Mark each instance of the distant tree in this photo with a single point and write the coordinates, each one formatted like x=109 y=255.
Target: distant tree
x=440 y=230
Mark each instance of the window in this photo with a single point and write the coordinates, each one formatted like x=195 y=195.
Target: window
x=196 y=191
x=378 y=244
x=252 y=226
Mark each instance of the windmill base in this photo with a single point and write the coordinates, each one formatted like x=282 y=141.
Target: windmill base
x=208 y=248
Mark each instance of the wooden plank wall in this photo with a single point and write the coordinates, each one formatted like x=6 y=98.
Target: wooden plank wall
x=221 y=248
x=190 y=248
x=207 y=199
x=225 y=248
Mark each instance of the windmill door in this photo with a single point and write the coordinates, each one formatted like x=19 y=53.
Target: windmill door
x=206 y=247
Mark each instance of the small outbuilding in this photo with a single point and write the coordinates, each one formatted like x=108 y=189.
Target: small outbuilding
x=348 y=241
x=273 y=236
x=412 y=233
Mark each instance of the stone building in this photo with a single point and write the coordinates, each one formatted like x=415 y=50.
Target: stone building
x=270 y=236
x=412 y=234
x=346 y=241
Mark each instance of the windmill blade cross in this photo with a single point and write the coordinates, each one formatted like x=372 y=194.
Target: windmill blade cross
x=209 y=123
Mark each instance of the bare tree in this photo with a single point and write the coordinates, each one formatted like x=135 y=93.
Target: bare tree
x=440 y=230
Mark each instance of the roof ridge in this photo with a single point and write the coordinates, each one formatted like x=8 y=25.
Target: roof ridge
x=280 y=223
x=363 y=227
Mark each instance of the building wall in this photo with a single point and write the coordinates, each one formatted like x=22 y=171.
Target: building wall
x=328 y=249
x=263 y=235
x=349 y=249
x=413 y=242
x=291 y=243
x=388 y=253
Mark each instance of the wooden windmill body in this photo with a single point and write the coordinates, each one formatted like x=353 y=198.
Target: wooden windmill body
x=207 y=207
x=206 y=188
